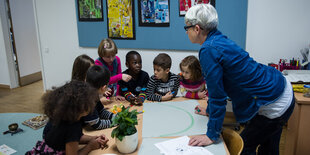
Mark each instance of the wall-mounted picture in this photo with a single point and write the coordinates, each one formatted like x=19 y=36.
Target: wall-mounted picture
x=121 y=19
x=184 y=5
x=153 y=13
x=90 y=10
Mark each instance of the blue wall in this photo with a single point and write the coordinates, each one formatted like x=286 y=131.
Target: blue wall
x=232 y=22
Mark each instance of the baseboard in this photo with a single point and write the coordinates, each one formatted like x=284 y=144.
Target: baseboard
x=4 y=86
x=31 y=78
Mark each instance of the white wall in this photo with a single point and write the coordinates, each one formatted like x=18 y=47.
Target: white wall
x=26 y=41
x=8 y=72
x=59 y=43
x=277 y=29
x=4 y=76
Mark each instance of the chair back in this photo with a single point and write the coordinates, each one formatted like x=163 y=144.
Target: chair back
x=233 y=141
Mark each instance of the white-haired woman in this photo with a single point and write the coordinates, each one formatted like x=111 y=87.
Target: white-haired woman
x=261 y=96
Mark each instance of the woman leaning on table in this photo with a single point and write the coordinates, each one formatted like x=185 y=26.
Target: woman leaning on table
x=261 y=96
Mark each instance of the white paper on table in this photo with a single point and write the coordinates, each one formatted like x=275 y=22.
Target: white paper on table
x=4 y=149
x=179 y=146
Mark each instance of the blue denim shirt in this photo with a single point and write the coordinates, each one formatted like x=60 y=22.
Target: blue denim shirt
x=230 y=71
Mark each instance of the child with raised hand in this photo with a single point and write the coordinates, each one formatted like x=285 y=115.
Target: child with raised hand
x=163 y=85
x=99 y=118
x=79 y=69
x=192 y=83
x=107 y=51
x=134 y=90
x=63 y=133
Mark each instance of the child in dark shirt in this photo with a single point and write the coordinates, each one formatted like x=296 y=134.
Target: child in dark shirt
x=163 y=85
x=100 y=118
x=63 y=133
x=134 y=90
x=80 y=66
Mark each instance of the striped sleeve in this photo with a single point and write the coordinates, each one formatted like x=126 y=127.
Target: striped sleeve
x=150 y=90
x=176 y=86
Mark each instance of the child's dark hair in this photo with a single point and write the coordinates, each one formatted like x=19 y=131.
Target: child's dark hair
x=80 y=67
x=98 y=76
x=193 y=65
x=69 y=101
x=130 y=54
x=107 y=47
x=162 y=60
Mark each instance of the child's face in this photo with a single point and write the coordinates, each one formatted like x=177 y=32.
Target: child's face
x=160 y=73
x=109 y=59
x=134 y=64
x=186 y=72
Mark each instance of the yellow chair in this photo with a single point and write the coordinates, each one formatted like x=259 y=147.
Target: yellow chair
x=233 y=141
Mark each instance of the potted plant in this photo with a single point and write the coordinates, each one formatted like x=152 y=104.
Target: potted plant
x=125 y=133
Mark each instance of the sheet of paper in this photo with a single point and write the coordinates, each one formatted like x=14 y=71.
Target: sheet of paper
x=4 y=149
x=179 y=146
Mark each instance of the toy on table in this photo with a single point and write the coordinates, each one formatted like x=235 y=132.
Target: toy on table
x=36 y=122
x=13 y=129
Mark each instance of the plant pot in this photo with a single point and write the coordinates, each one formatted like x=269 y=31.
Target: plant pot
x=128 y=144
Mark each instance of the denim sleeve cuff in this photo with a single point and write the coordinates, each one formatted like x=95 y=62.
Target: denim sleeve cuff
x=213 y=136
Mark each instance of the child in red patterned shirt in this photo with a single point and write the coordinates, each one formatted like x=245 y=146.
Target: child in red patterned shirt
x=192 y=84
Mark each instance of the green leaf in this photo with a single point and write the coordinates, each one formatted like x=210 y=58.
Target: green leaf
x=125 y=121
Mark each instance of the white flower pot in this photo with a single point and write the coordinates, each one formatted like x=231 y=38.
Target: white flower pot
x=128 y=144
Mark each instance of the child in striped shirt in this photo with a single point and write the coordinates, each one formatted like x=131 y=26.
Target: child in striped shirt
x=192 y=84
x=100 y=118
x=163 y=85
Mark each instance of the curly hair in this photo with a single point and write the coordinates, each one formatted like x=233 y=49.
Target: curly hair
x=130 y=54
x=80 y=67
x=193 y=65
x=69 y=101
x=107 y=47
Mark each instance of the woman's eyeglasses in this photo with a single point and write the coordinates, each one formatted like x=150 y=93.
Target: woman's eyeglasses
x=186 y=27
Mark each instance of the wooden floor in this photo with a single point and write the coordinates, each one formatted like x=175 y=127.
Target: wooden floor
x=22 y=99
x=28 y=99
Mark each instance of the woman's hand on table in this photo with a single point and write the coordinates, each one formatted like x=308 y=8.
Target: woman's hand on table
x=201 y=111
x=200 y=140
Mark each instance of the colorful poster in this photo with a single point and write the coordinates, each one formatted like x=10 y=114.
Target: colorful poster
x=153 y=12
x=184 y=5
x=120 y=19
x=90 y=10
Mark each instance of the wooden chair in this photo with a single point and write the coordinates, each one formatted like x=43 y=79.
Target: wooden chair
x=233 y=141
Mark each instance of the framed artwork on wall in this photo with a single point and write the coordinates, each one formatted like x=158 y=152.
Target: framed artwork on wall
x=184 y=5
x=121 y=24
x=154 y=13
x=90 y=10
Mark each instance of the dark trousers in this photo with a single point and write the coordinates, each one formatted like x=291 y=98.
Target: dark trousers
x=265 y=133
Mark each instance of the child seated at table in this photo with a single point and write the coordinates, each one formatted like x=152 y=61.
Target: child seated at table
x=63 y=133
x=107 y=51
x=80 y=66
x=192 y=84
x=135 y=89
x=163 y=85
x=99 y=118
